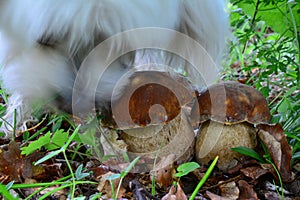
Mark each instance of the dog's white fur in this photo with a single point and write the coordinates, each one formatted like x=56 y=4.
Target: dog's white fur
x=43 y=42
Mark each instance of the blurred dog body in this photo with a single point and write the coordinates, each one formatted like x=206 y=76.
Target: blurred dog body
x=43 y=43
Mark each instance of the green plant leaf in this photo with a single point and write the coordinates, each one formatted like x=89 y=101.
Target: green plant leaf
x=80 y=198
x=95 y=196
x=126 y=157
x=296 y=155
x=47 y=157
x=205 y=177
x=1 y=133
x=248 y=152
x=284 y=106
x=129 y=167
x=275 y=15
x=9 y=185
x=113 y=177
x=25 y=135
x=36 y=145
x=186 y=168
x=6 y=193
x=79 y=174
x=293 y=136
x=58 y=139
x=61 y=150
x=71 y=138
x=88 y=136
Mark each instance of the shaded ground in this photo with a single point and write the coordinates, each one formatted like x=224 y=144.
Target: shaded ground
x=248 y=180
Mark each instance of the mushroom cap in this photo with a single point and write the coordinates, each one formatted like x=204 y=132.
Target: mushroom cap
x=231 y=103
x=151 y=98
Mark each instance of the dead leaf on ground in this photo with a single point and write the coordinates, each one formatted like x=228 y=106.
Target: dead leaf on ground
x=175 y=194
x=246 y=163
x=255 y=172
x=246 y=191
x=60 y=194
x=294 y=186
x=213 y=196
x=180 y=193
x=105 y=187
x=271 y=191
x=18 y=167
x=99 y=171
x=281 y=152
x=229 y=190
x=170 y=195
x=164 y=171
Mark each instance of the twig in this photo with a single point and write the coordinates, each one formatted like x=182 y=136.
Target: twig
x=222 y=183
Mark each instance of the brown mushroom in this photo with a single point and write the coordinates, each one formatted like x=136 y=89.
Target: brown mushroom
x=227 y=113
x=151 y=118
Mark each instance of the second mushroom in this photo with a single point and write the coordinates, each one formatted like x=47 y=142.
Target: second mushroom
x=227 y=113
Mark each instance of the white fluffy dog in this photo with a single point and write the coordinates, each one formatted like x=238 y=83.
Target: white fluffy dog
x=43 y=42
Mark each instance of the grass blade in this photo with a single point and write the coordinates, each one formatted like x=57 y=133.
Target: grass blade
x=205 y=177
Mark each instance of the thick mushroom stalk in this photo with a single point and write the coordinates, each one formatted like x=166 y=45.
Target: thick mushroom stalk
x=217 y=139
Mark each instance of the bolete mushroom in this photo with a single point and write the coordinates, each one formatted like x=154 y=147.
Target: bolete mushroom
x=227 y=113
x=150 y=117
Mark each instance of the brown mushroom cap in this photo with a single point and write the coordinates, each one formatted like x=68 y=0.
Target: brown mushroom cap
x=230 y=103
x=152 y=97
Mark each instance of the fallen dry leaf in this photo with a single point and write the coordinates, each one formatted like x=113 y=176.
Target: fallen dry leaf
x=60 y=194
x=213 y=196
x=229 y=190
x=294 y=186
x=246 y=163
x=100 y=170
x=246 y=191
x=170 y=195
x=281 y=152
x=255 y=172
x=275 y=188
x=164 y=171
x=18 y=167
x=105 y=187
x=175 y=194
x=180 y=193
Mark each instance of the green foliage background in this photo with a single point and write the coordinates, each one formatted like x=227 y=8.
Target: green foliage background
x=265 y=53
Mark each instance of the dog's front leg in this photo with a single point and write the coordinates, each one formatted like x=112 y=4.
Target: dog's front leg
x=32 y=76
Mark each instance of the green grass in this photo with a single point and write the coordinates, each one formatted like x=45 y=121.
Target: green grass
x=266 y=55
